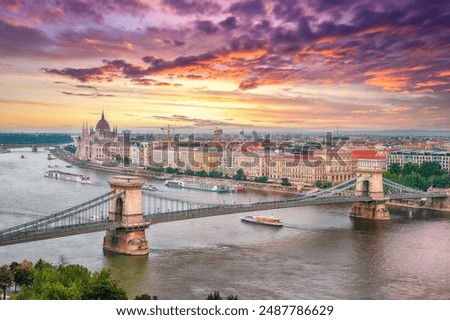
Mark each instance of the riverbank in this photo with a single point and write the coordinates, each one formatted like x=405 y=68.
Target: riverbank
x=415 y=206
x=69 y=158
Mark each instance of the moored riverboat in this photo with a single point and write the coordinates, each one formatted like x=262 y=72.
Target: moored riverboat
x=66 y=176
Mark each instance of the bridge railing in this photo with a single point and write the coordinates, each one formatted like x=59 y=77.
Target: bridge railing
x=65 y=217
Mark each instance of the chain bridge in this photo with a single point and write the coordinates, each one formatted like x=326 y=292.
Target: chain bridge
x=127 y=210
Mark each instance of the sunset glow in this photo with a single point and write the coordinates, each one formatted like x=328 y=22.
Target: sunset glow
x=273 y=65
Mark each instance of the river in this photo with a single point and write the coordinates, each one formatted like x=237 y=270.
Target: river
x=320 y=253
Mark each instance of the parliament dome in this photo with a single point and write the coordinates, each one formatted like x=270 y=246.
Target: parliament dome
x=102 y=125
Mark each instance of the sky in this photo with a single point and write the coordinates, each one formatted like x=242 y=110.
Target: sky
x=253 y=64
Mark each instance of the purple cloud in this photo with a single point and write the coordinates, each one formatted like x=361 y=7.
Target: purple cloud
x=248 y=8
x=183 y=7
x=22 y=40
x=206 y=26
x=229 y=23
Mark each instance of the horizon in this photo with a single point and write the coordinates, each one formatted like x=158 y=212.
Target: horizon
x=269 y=66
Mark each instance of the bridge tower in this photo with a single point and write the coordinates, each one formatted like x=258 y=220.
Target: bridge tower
x=369 y=174
x=129 y=238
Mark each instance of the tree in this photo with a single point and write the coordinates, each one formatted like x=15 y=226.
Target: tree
x=430 y=168
x=202 y=173
x=323 y=184
x=70 y=282
x=215 y=174
x=240 y=176
x=285 y=182
x=395 y=168
x=22 y=274
x=172 y=170
x=214 y=296
x=6 y=279
x=145 y=296
x=409 y=168
x=262 y=179
x=189 y=172
x=416 y=181
x=13 y=267
x=102 y=287
x=442 y=181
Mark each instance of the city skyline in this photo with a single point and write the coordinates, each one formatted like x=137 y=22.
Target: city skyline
x=271 y=65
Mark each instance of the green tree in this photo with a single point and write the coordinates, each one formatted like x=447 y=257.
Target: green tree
x=395 y=168
x=172 y=170
x=416 y=181
x=23 y=275
x=145 y=296
x=442 y=181
x=262 y=179
x=6 y=279
x=72 y=282
x=102 y=287
x=430 y=168
x=189 y=172
x=214 y=296
x=409 y=168
x=240 y=175
x=216 y=174
x=202 y=173
x=323 y=184
x=285 y=182
x=13 y=267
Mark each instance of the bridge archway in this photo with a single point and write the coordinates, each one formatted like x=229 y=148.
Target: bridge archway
x=129 y=238
x=365 y=188
x=119 y=208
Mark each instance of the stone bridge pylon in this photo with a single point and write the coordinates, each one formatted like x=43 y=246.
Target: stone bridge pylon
x=129 y=238
x=370 y=183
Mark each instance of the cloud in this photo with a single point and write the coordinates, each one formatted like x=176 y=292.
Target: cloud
x=310 y=42
x=56 y=12
x=22 y=40
x=94 y=94
x=248 y=8
x=187 y=122
x=206 y=26
x=396 y=110
x=229 y=23
x=184 y=7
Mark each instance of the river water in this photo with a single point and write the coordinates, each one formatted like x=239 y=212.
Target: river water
x=320 y=253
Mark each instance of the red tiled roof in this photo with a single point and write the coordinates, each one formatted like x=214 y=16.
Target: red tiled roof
x=366 y=154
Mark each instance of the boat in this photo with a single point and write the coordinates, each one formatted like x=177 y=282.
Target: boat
x=4 y=150
x=267 y=221
x=174 y=183
x=60 y=175
x=196 y=185
x=22 y=157
x=149 y=187
x=68 y=166
x=50 y=157
x=164 y=177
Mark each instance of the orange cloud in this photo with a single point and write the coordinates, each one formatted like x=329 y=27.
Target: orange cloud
x=445 y=73
x=364 y=111
x=431 y=83
x=391 y=79
x=396 y=110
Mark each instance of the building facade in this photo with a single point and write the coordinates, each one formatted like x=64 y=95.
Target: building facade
x=419 y=156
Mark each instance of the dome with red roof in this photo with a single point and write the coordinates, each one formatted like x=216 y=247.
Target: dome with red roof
x=102 y=124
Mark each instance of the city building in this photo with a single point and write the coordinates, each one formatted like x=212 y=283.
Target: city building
x=102 y=145
x=419 y=156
